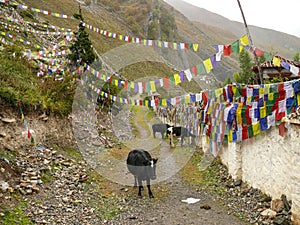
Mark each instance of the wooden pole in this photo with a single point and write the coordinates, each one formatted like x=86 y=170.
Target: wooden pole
x=251 y=43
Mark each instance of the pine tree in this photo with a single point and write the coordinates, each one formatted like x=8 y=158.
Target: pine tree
x=297 y=57
x=246 y=75
x=81 y=50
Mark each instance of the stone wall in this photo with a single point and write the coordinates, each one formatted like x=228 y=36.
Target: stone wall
x=270 y=163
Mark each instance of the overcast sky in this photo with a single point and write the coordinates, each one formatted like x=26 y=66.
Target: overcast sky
x=278 y=15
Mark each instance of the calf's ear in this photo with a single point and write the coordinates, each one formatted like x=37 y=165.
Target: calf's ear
x=155 y=160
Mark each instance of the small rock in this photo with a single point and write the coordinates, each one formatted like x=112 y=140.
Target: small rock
x=281 y=220
x=206 y=207
x=65 y=199
x=277 y=205
x=4 y=186
x=237 y=183
x=8 y=120
x=268 y=213
x=132 y=217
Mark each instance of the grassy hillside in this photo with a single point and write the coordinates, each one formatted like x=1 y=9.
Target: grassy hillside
x=144 y=19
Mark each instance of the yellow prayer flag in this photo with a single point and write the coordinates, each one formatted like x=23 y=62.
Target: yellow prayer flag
x=256 y=128
x=208 y=65
x=263 y=112
x=244 y=40
x=298 y=99
x=164 y=102
x=174 y=45
x=276 y=61
x=218 y=92
x=177 y=79
x=116 y=82
x=261 y=91
x=22 y=117
x=230 y=136
x=209 y=110
x=159 y=43
x=120 y=37
x=239 y=117
x=271 y=96
x=266 y=89
x=241 y=48
x=132 y=85
x=147 y=103
x=195 y=47
x=234 y=89
x=152 y=86
x=187 y=99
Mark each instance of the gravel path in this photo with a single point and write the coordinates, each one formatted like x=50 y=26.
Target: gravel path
x=56 y=186
x=170 y=209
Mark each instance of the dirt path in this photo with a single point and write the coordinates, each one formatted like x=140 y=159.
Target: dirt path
x=168 y=207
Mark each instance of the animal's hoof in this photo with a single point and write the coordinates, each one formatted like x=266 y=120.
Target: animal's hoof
x=139 y=196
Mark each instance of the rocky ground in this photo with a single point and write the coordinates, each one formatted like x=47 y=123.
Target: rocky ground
x=51 y=183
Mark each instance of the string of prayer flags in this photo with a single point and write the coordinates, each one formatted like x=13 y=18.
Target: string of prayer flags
x=278 y=61
x=137 y=40
x=45 y=12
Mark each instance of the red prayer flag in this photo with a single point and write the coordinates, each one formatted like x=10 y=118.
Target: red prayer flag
x=28 y=134
x=224 y=94
x=247 y=115
x=244 y=133
x=281 y=129
x=280 y=86
x=166 y=82
x=194 y=70
x=259 y=52
x=227 y=50
x=186 y=45
x=125 y=85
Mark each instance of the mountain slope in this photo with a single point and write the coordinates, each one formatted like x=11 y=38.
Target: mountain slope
x=116 y=17
x=269 y=40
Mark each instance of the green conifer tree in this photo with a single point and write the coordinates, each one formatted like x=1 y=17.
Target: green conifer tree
x=81 y=49
x=246 y=75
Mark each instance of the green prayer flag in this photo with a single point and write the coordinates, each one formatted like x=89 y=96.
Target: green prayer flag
x=171 y=80
x=250 y=132
x=244 y=114
x=212 y=94
x=274 y=88
x=148 y=87
x=268 y=56
x=201 y=69
x=235 y=47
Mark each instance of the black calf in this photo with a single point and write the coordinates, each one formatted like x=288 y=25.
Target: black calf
x=180 y=132
x=160 y=128
x=143 y=167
